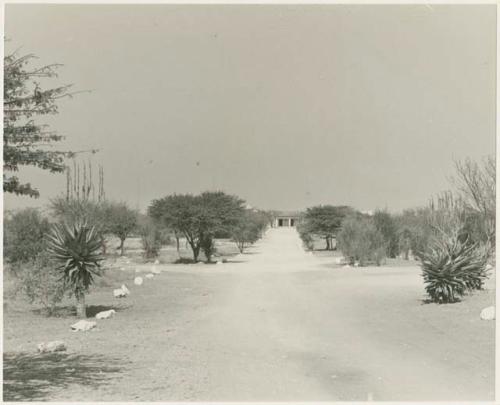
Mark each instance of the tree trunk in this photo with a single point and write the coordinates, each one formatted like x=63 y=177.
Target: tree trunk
x=328 y=246
x=177 y=243
x=122 y=243
x=81 y=309
x=196 y=251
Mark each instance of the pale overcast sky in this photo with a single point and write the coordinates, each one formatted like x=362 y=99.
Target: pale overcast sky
x=285 y=106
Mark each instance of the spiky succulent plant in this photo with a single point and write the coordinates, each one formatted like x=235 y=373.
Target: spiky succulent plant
x=452 y=267
x=77 y=248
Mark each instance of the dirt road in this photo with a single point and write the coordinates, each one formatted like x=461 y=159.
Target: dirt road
x=281 y=324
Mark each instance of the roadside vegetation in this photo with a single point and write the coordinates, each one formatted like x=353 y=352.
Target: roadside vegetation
x=452 y=238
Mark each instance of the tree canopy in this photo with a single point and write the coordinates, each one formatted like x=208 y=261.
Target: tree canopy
x=26 y=142
x=198 y=217
x=122 y=221
x=325 y=221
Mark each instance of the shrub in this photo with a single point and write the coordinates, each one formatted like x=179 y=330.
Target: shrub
x=451 y=267
x=360 y=241
x=306 y=235
x=386 y=225
x=77 y=249
x=151 y=239
x=24 y=235
x=41 y=282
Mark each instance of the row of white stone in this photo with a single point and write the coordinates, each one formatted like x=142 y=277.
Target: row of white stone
x=84 y=325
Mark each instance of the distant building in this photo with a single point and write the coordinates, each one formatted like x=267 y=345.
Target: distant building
x=286 y=219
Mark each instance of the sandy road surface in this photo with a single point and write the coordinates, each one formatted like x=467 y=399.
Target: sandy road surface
x=281 y=324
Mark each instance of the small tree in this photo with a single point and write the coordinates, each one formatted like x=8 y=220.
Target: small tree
x=249 y=229
x=122 y=221
x=76 y=247
x=325 y=221
x=24 y=235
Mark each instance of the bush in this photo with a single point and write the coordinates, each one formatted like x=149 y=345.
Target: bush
x=24 y=235
x=361 y=242
x=41 y=282
x=306 y=235
x=386 y=225
x=151 y=238
x=451 y=267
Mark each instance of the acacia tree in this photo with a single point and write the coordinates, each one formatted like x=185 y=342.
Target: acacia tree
x=325 y=221
x=25 y=142
x=122 y=221
x=199 y=217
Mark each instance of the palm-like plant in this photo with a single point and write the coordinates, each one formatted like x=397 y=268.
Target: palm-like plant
x=77 y=248
x=452 y=267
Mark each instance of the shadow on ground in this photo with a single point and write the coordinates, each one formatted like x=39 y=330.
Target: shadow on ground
x=32 y=377
x=70 y=310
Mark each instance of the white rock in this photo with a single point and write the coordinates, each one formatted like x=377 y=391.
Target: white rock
x=157 y=261
x=122 y=268
x=138 y=281
x=346 y=266
x=119 y=293
x=105 y=314
x=218 y=262
x=488 y=314
x=155 y=271
x=125 y=289
x=339 y=260
x=128 y=262
x=83 y=325
x=150 y=275
x=55 y=346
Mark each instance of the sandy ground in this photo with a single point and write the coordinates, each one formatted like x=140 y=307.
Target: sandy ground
x=276 y=323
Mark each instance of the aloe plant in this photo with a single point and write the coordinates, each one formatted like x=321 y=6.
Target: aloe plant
x=452 y=267
x=77 y=248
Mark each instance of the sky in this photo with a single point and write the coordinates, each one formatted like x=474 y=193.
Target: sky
x=286 y=106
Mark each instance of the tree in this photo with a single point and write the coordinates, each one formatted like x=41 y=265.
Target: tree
x=476 y=186
x=122 y=221
x=249 y=229
x=325 y=221
x=25 y=142
x=76 y=247
x=386 y=225
x=199 y=217
x=24 y=235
